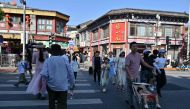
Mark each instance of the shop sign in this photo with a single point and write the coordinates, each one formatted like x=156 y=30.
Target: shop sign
x=118 y=32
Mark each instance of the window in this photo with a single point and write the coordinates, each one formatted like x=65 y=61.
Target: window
x=141 y=31
x=95 y=35
x=144 y=30
x=45 y=24
x=149 y=31
x=132 y=30
x=15 y=19
x=59 y=26
x=105 y=32
x=168 y=31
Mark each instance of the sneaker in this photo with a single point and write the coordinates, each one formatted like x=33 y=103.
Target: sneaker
x=132 y=107
x=38 y=96
x=146 y=106
x=42 y=98
x=158 y=106
x=16 y=85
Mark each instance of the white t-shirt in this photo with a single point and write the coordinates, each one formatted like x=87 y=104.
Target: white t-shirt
x=160 y=62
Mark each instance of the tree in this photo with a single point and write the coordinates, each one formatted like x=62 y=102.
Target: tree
x=1 y=14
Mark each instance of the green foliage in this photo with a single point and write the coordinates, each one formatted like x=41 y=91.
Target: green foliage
x=1 y=14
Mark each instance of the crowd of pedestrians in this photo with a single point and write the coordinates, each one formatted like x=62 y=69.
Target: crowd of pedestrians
x=56 y=71
x=124 y=70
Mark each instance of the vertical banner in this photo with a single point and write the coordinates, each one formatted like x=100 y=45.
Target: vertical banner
x=118 y=32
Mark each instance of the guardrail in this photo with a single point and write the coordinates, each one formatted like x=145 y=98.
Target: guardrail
x=7 y=60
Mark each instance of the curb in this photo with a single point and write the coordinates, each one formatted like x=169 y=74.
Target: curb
x=7 y=69
x=171 y=69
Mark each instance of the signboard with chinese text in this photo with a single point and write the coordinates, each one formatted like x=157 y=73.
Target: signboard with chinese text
x=118 y=32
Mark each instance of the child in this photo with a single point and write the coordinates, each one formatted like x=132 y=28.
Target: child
x=21 y=66
x=151 y=93
x=75 y=66
x=105 y=74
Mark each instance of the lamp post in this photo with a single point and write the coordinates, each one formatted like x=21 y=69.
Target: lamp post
x=188 y=37
x=157 y=29
x=24 y=27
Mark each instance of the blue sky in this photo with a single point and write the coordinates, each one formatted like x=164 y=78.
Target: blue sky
x=84 y=10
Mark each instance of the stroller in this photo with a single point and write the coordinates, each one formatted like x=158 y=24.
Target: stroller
x=144 y=93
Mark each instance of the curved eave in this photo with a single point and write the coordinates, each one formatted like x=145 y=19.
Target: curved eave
x=36 y=12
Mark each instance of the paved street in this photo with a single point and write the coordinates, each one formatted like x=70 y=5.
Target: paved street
x=176 y=94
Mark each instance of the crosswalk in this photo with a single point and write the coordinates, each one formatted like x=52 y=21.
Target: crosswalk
x=19 y=97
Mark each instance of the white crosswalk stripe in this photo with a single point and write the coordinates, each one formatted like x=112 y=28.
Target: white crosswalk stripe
x=81 y=81
x=22 y=85
x=75 y=80
x=24 y=92
x=45 y=102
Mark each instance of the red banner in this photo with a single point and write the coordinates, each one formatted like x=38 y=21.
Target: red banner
x=118 y=32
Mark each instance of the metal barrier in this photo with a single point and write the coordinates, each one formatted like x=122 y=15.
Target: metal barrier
x=7 y=60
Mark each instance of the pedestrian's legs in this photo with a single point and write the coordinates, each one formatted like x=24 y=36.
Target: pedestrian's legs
x=158 y=79
x=95 y=71
x=75 y=73
x=30 y=72
x=52 y=98
x=99 y=75
x=43 y=88
x=163 y=78
x=129 y=92
x=62 y=100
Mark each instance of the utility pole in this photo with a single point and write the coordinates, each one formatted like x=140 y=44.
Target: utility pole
x=24 y=28
x=188 y=37
x=157 y=29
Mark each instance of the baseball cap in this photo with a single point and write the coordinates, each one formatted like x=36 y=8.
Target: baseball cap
x=146 y=51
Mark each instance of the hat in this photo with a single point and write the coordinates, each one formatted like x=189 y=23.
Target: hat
x=162 y=51
x=146 y=51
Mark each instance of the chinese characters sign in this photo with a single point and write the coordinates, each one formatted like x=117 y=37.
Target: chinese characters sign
x=118 y=32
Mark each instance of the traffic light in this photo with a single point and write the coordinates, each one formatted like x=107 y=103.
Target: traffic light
x=28 y=20
x=50 y=39
x=168 y=40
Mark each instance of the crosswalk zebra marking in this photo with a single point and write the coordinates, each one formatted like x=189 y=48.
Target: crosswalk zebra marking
x=75 y=80
x=22 y=85
x=24 y=92
x=45 y=102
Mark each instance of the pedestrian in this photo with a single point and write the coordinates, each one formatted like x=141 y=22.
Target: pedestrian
x=37 y=85
x=105 y=74
x=96 y=65
x=29 y=59
x=58 y=74
x=153 y=56
x=21 y=67
x=112 y=73
x=133 y=61
x=121 y=71
x=146 y=73
x=75 y=66
x=160 y=63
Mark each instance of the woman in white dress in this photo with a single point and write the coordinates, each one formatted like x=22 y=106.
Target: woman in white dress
x=37 y=86
x=121 y=71
x=105 y=74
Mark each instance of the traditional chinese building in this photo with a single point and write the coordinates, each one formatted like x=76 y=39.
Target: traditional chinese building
x=40 y=24
x=115 y=30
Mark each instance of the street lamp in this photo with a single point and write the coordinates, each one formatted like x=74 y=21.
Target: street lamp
x=188 y=38
x=157 y=28
x=23 y=2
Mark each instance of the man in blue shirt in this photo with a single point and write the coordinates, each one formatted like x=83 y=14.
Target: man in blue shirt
x=59 y=76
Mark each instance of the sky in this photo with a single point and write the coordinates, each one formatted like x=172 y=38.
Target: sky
x=81 y=11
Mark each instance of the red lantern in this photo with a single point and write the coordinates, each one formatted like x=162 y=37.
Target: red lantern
x=28 y=20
